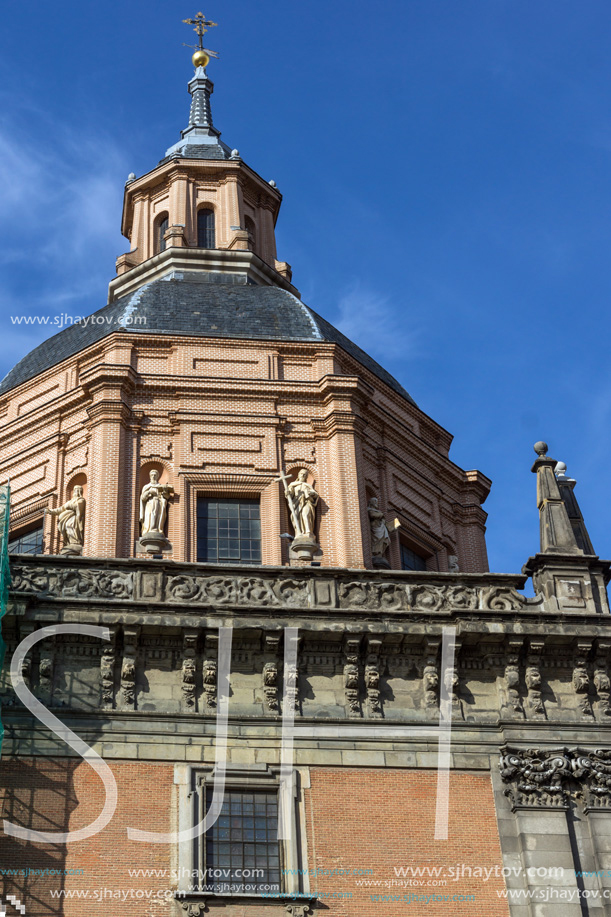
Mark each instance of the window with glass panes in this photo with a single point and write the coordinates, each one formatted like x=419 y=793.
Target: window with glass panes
x=243 y=843
x=410 y=560
x=205 y=228
x=228 y=531
x=27 y=543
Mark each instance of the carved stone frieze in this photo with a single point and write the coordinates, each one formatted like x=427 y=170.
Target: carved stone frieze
x=502 y=598
x=352 y=676
x=73 y=583
x=513 y=699
x=236 y=590
x=536 y=779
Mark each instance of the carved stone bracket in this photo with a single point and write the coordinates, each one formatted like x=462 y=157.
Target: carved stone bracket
x=128 y=666
x=299 y=910
x=537 y=779
x=513 y=700
x=372 y=678
x=352 y=676
x=107 y=670
x=194 y=909
x=291 y=679
x=46 y=666
x=270 y=672
x=210 y=672
x=602 y=682
x=189 y=668
x=534 y=700
x=430 y=674
x=581 y=677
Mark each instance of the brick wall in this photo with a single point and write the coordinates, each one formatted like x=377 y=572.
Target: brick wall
x=59 y=794
x=366 y=819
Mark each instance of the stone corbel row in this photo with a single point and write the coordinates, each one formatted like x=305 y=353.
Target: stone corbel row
x=550 y=778
x=590 y=679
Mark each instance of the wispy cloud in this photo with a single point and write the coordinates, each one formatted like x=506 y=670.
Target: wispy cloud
x=375 y=323
x=61 y=200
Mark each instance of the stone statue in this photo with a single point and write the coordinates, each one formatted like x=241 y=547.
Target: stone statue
x=71 y=522
x=154 y=505
x=304 y=500
x=380 y=539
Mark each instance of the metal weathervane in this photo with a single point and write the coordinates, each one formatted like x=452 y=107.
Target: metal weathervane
x=202 y=55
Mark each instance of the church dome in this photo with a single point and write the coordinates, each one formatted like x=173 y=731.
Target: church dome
x=196 y=304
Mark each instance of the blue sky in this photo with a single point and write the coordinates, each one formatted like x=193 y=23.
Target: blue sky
x=446 y=172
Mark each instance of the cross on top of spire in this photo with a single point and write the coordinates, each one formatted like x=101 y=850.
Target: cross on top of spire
x=201 y=26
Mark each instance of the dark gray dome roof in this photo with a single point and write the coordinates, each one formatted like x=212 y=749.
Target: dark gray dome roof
x=196 y=305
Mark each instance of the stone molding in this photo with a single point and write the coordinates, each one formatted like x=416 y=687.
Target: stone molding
x=192 y=585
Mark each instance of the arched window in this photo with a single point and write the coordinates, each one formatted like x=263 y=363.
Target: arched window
x=205 y=228
x=249 y=224
x=162 y=225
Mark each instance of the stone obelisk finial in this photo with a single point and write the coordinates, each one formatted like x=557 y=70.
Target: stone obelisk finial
x=557 y=536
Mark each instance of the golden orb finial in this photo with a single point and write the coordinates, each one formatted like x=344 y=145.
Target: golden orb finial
x=200 y=58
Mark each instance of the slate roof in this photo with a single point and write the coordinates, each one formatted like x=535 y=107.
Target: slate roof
x=196 y=305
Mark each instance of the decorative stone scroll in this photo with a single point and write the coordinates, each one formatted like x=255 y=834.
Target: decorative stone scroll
x=537 y=779
x=427 y=598
x=593 y=770
x=70 y=582
x=236 y=590
x=549 y=778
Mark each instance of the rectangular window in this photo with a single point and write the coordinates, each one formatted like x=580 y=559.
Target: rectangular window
x=228 y=531
x=410 y=560
x=29 y=542
x=242 y=848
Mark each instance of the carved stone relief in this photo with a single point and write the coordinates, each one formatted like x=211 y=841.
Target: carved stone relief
x=351 y=676
x=270 y=672
x=581 y=678
x=372 y=678
x=536 y=778
x=189 y=669
x=210 y=672
x=107 y=671
x=128 y=667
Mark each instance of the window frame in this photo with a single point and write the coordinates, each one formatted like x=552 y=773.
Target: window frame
x=194 y=781
x=207 y=209
x=160 y=219
x=240 y=501
x=22 y=532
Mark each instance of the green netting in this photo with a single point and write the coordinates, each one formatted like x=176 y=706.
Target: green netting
x=5 y=573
